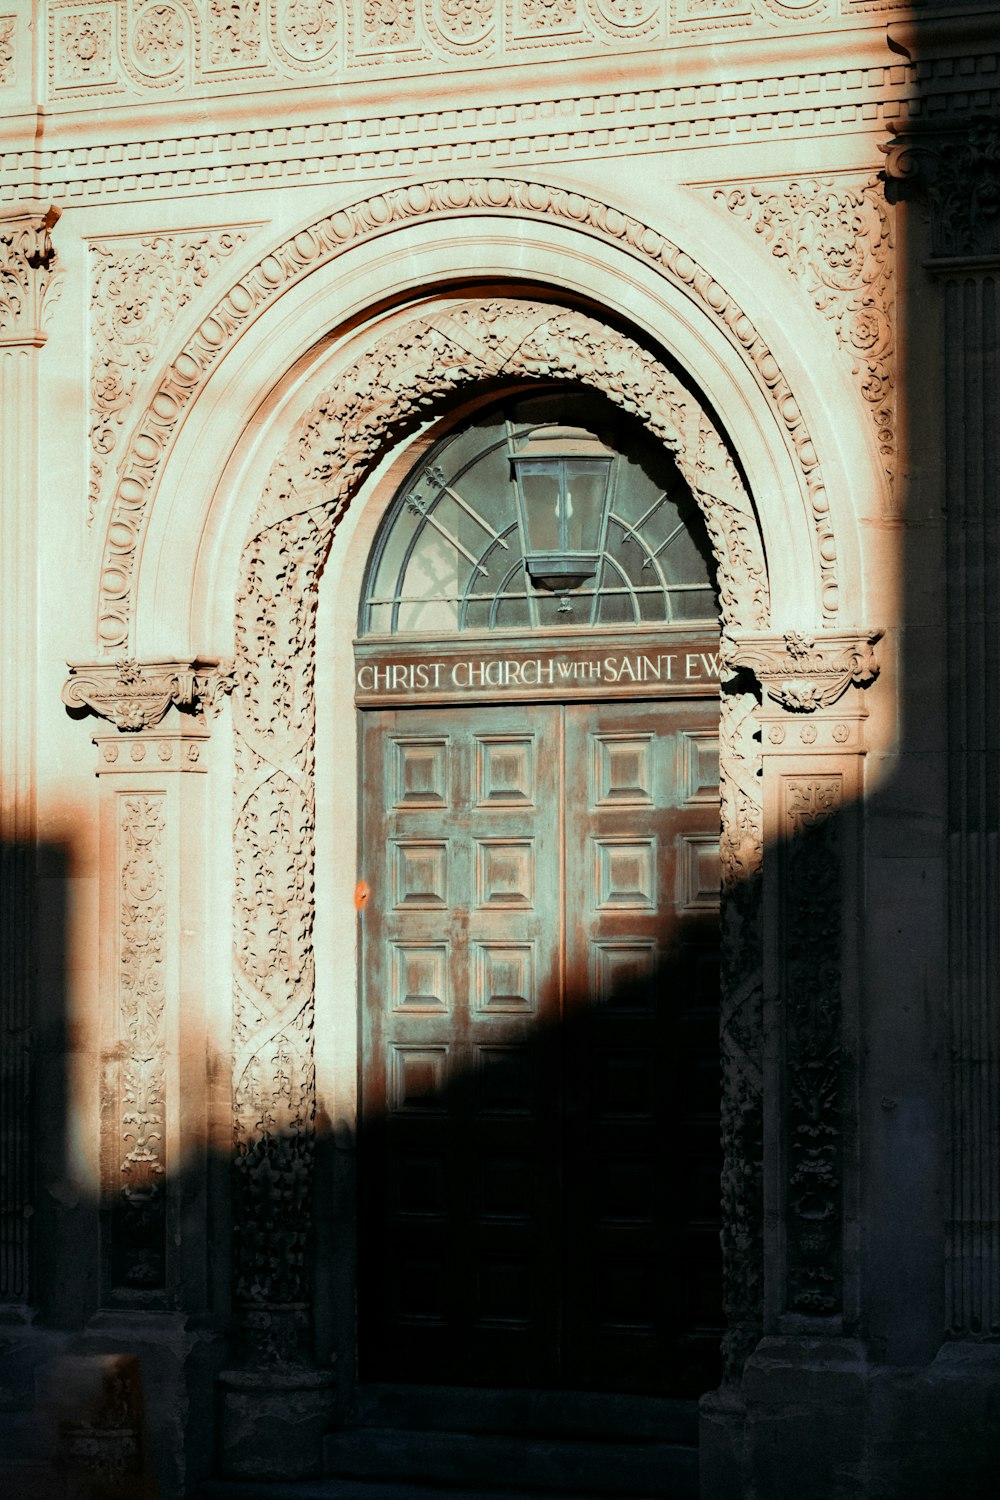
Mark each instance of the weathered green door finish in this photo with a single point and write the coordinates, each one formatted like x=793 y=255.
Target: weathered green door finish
x=540 y=1069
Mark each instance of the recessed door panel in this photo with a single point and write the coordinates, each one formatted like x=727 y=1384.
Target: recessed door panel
x=539 y=1146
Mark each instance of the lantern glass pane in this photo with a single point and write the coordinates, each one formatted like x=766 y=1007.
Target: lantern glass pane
x=540 y=488
x=585 y=486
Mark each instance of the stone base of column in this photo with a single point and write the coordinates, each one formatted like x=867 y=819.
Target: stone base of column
x=806 y=1419
x=272 y=1422
x=721 y=1428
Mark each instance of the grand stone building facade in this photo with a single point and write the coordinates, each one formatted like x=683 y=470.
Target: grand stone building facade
x=293 y=295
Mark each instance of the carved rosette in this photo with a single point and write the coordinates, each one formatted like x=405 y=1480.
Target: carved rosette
x=26 y=272
x=955 y=167
x=804 y=673
x=136 y=696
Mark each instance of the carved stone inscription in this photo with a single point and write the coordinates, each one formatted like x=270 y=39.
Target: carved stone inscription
x=813 y=1045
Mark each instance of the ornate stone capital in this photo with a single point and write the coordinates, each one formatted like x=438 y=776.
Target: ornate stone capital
x=134 y=695
x=26 y=261
x=804 y=672
x=955 y=166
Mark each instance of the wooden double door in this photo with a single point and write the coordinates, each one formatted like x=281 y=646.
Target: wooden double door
x=539 y=1156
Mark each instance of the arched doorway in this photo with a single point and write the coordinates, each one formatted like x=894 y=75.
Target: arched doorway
x=537 y=676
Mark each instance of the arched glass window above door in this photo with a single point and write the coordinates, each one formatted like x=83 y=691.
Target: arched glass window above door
x=546 y=511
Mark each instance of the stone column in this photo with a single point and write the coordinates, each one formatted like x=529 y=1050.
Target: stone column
x=811 y=723
x=26 y=260
x=162 y=1159
x=951 y=172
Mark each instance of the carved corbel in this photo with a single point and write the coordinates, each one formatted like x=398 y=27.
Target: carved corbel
x=804 y=672
x=26 y=261
x=955 y=167
x=134 y=695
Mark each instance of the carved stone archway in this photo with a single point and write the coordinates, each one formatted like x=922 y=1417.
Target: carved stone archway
x=398 y=383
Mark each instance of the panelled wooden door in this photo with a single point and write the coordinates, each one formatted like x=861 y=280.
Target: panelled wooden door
x=539 y=1158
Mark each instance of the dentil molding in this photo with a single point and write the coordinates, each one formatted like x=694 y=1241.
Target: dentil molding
x=134 y=695
x=804 y=672
x=26 y=271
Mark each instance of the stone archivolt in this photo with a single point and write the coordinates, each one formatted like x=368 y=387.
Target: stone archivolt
x=137 y=288
x=835 y=238
x=313 y=247
x=374 y=404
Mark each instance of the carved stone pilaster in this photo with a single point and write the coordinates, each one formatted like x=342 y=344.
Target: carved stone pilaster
x=136 y=696
x=26 y=265
x=151 y=811
x=804 y=673
x=812 y=784
x=955 y=167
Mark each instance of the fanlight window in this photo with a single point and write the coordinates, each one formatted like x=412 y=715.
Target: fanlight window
x=545 y=512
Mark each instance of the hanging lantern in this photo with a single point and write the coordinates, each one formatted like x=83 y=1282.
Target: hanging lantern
x=563 y=479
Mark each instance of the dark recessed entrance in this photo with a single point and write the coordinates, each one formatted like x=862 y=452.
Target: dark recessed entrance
x=539 y=1153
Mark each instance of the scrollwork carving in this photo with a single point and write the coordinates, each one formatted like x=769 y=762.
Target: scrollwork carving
x=138 y=287
x=234 y=32
x=956 y=167
x=804 y=673
x=135 y=696
x=331 y=236
x=813 y=1044
x=835 y=238
x=8 y=26
x=138 y=1219
x=27 y=258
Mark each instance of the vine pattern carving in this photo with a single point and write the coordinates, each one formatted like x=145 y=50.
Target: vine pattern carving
x=7 y=28
x=374 y=403
x=311 y=248
x=234 y=32
x=138 y=1215
x=814 y=1059
x=741 y=1026
x=137 y=289
x=835 y=238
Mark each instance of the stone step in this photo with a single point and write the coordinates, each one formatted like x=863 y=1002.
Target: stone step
x=558 y=1413
x=507 y=1461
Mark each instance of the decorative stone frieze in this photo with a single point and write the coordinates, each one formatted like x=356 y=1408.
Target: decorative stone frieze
x=27 y=256
x=136 y=696
x=8 y=26
x=955 y=167
x=835 y=237
x=329 y=237
x=804 y=672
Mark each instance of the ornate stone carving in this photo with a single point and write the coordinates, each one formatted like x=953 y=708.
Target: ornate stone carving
x=159 y=38
x=741 y=1026
x=234 y=32
x=137 y=696
x=803 y=672
x=26 y=272
x=329 y=237
x=8 y=25
x=957 y=167
x=462 y=24
x=334 y=446
x=305 y=31
x=137 y=288
x=835 y=239
x=85 y=46
x=813 y=1045
x=388 y=24
x=546 y=15
x=138 y=1219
